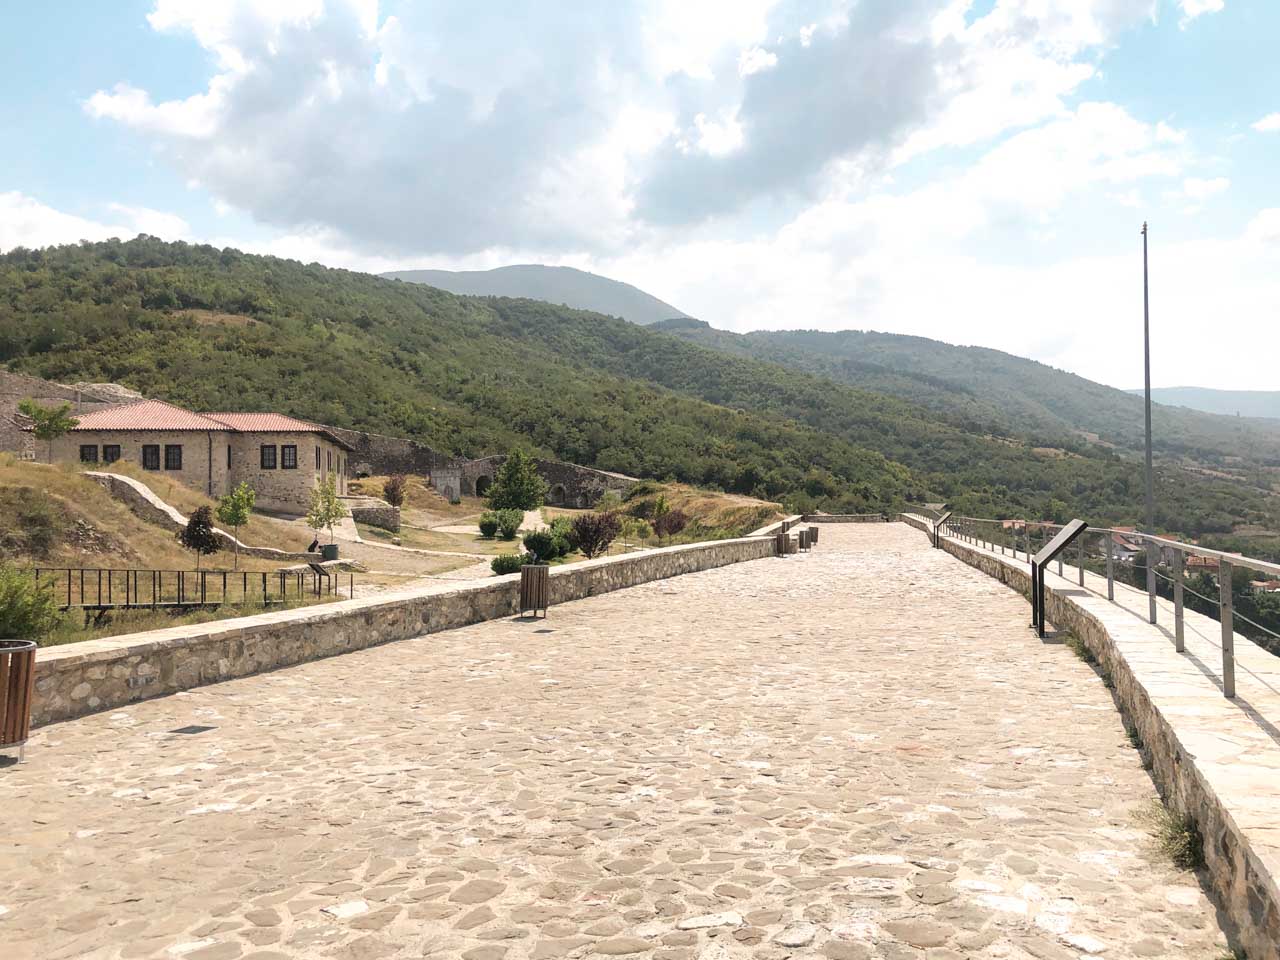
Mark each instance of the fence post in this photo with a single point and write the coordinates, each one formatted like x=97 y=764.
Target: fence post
x=1178 y=642
x=1111 y=568
x=1152 y=553
x=1228 y=629
x=1080 y=558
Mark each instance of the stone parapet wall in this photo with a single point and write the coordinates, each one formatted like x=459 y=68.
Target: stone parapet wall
x=1245 y=887
x=845 y=518
x=94 y=675
x=143 y=502
x=373 y=454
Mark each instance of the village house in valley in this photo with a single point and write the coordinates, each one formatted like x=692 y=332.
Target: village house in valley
x=281 y=457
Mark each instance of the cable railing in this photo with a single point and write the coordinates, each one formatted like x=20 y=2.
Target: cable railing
x=1157 y=565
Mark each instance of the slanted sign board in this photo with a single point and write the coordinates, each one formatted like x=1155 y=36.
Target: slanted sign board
x=1041 y=560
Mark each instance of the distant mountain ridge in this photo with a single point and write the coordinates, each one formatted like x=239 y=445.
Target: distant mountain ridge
x=560 y=285
x=1243 y=403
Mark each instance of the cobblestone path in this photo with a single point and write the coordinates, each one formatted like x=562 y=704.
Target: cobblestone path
x=860 y=753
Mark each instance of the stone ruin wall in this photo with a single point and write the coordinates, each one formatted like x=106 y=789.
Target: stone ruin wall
x=16 y=387
x=569 y=485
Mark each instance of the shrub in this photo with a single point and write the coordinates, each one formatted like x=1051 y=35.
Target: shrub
x=542 y=544
x=488 y=524
x=198 y=536
x=393 y=490
x=595 y=531
x=509 y=523
x=28 y=611
x=517 y=485
x=509 y=562
x=670 y=523
x=562 y=532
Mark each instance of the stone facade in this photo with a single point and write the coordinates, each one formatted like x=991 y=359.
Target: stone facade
x=93 y=675
x=568 y=485
x=216 y=461
x=1245 y=886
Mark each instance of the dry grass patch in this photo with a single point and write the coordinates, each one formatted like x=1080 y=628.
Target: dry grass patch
x=1176 y=836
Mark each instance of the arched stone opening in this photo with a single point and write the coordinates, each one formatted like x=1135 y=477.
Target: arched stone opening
x=483 y=484
x=557 y=495
x=448 y=494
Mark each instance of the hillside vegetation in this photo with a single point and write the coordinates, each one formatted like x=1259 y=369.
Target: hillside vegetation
x=988 y=390
x=475 y=376
x=562 y=285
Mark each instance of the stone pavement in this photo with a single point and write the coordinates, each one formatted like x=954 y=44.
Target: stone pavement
x=859 y=753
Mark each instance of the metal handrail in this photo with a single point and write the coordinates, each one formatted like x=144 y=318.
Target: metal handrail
x=973 y=529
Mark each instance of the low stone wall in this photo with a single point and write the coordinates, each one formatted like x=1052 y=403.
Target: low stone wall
x=1241 y=881
x=374 y=512
x=142 y=501
x=93 y=675
x=845 y=518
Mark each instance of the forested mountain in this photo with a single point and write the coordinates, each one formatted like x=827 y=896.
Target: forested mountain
x=562 y=285
x=217 y=329
x=988 y=390
x=1231 y=403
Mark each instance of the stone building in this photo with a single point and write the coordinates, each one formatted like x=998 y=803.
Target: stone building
x=281 y=457
x=568 y=484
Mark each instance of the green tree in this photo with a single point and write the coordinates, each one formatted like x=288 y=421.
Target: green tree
x=234 y=510
x=593 y=532
x=393 y=490
x=198 y=535
x=28 y=610
x=326 y=509
x=517 y=485
x=48 y=423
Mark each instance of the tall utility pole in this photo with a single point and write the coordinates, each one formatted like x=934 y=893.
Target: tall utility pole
x=1152 y=553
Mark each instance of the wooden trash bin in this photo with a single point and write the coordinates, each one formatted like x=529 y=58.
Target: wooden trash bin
x=804 y=541
x=780 y=543
x=793 y=545
x=17 y=687
x=813 y=536
x=535 y=588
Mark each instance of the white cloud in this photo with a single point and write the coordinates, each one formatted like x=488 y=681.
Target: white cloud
x=1196 y=8
x=1268 y=124
x=26 y=222
x=1199 y=190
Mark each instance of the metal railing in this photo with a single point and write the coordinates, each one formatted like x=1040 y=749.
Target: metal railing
x=1149 y=562
x=102 y=588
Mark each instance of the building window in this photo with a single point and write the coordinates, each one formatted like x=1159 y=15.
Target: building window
x=288 y=457
x=173 y=456
x=328 y=459
x=110 y=452
x=228 y=456
x=268 y=456
x=150 y=456
x=317 y=458
x=88 y=453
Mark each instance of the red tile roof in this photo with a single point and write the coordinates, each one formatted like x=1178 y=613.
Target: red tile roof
x=266 y=422
x=158 y=415
x=146 y=415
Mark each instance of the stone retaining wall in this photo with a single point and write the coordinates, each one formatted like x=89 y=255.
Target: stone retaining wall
x=93 y=675
x=142 y=501
x=374 y=512
x=1242 y=883
x=845 y=518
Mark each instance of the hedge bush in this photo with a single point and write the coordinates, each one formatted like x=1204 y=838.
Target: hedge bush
x=488 y=524
x=509 y=562
x=28 y=611
x=542 y=544
x=509 y=523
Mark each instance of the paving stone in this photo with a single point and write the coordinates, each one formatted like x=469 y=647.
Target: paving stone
x=866 y=741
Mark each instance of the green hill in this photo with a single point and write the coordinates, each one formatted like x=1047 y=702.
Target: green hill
x=1230 y=403
x=991 y=391
x=563 y=285
x=217 y=329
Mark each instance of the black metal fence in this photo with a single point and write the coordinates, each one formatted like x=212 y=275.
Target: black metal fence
x=101 y=588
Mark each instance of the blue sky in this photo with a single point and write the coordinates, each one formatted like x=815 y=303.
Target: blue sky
x=975 y=172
